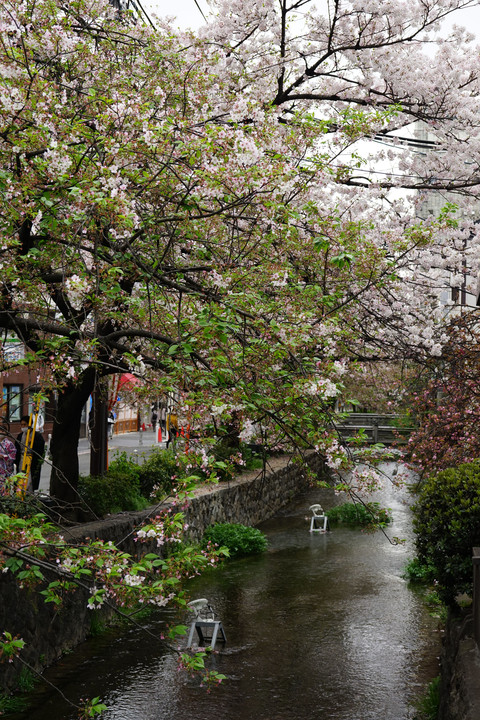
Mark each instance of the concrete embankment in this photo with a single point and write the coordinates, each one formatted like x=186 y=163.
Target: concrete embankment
x=460 y=670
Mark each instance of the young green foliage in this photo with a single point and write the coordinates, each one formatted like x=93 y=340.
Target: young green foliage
x=239 y=540
x=447 y=527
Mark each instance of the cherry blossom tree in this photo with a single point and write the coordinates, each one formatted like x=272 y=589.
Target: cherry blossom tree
x=200 y=210
x=45 y=562
x=215 y=214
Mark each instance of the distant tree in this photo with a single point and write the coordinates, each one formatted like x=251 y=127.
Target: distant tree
x=446 y=401
x=379 y=387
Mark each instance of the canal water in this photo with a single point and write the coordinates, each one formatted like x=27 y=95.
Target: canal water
x=320 y=626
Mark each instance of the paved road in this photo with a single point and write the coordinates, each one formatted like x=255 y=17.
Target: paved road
x=136 y=444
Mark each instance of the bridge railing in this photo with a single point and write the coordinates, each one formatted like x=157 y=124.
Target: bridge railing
x=384 y=429
x=367 y=419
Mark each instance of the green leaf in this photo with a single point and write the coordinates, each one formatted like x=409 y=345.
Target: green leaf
x=321 y=243
x=342 y=260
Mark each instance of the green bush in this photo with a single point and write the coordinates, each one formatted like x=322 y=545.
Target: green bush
x=114 y=492
x=416 y=571
x=158 y=473
x=252 y=459
x=239 y=539
x=124 y=465
x=447 y=527
x=228 y=461
x=368 y=515
x=26 y=508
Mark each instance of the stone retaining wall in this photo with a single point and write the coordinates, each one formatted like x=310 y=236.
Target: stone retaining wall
x=460 y=686
x=251 y=498
x=49 y=631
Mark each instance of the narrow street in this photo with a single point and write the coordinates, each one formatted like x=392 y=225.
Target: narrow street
x=137 y=444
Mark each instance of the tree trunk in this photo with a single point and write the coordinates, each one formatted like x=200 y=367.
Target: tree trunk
x=65 y=436
x=232 y=437
x=99 y=430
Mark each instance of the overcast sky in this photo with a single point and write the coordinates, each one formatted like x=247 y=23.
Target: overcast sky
x=188 y=15
x=186 y=12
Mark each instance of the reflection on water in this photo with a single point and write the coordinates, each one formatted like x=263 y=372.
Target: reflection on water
x=319 y=626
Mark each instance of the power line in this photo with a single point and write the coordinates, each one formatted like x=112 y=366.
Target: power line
x=406 y=141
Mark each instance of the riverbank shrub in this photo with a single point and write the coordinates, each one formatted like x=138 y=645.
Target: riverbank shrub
x=131 y=486
x=447 y=527
x=123 y=463
x=365 y=515
x=240 y=540
x=114 y=492
x=224 y=462
x=158 y=473
x=423 y=577
x=416 y=571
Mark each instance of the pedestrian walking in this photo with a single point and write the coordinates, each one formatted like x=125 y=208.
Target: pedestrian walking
x=7 y=457
x=110 y=424
x=153 y=420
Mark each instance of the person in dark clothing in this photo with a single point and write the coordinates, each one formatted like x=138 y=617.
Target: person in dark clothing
x=37 y=452
x=153 y=420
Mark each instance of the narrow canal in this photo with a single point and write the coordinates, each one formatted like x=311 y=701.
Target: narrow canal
x=320 y=626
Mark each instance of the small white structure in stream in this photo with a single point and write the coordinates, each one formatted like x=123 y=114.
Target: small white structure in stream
x=204 y=622
x=319 y=521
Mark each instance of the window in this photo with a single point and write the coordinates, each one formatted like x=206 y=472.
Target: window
x=12 y=349
x=12 y=402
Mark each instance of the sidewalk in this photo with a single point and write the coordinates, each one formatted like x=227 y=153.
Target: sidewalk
x=136 y=444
